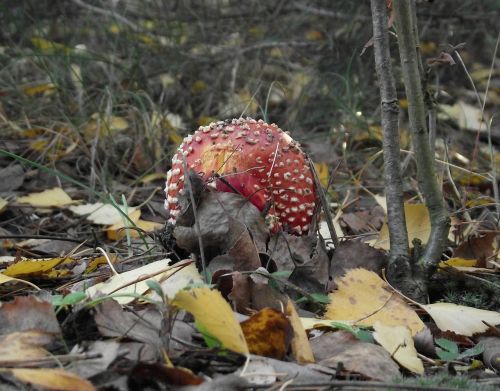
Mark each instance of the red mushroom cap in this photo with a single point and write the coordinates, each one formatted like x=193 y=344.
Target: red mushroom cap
x=260 y=161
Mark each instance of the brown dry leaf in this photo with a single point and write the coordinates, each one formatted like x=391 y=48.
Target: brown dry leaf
x=460 y=319
x=352 y=254
x=48 y=198
x=444 y=58
x=174 y=377
x=4 y=279
x=491 y=355
x=211 y=310
x=267 y=333
x=478 y=248
x=11 y=178
x=243 y=252
x=397 y=340
x=364 y=298
x=418 y=225
x=103 y=214
x=28 y=313
x=52 y=379
x=301 y=348
x=367 y=359
x=113 y=320
x=23 y=346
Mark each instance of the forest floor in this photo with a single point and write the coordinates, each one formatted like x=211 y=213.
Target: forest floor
x=96 y=293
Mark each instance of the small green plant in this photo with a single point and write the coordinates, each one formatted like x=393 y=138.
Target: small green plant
x=315 y=298
x=360 y=333
x=61 y=302
x=449 y=351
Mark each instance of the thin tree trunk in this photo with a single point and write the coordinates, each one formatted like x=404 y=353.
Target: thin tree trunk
x=399 y=267
x=426 y=175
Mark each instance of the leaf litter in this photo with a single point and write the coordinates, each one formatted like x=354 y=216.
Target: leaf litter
x=276 y=304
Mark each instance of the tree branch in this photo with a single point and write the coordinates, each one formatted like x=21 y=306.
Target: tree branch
x=399 y=268
x=426 y=174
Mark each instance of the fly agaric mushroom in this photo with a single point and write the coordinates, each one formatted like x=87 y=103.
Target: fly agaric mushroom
x=260 y=161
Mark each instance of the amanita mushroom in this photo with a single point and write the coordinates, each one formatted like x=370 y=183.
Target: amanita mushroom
x=260 y=161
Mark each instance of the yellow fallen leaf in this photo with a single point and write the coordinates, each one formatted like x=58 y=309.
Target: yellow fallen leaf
x=142 y=225
x=49 y=47
x=156 y=176
x=133 y=282
x=46 y=89
x=48 y=198
x=105 y=125
x=117 y=231
x=34 y=267
x=205 y=120
x=52 y=379
x=315 y=35
x=460 y=319
x=418 y=225
x=211 y=310
x=39 y=145
x=397 y=340
x=301 y=348
x=323 y=174
x=4 y=279
x=458 y=262
x=95 y=262
x=364 y=298
x=198 y=87
x=23 y=345
x=3 y=204
x=102 y=214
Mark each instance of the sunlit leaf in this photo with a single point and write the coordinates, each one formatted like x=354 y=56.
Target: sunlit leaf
x=301 y=348
x=3 y=204
x=398 y=341
x=323 y=173
x=52 y=379
x=460 y=319
x=39 y=89
x=211 y=310
x=364 y=298
x=418 y=225
x=48 y=198
x=129 y=284
x=102 y=214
